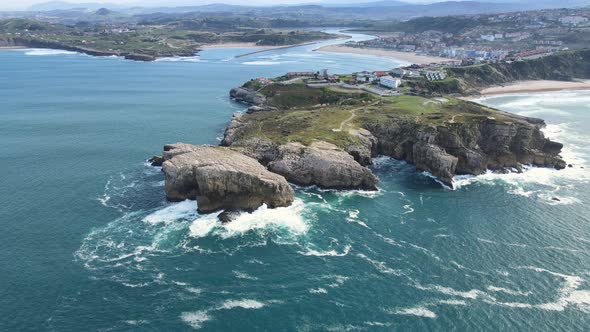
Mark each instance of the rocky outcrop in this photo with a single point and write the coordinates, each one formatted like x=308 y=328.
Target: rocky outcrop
x=219 y=178
x=437 y=161
x=471 y=147
x=364 y=151
x=140 y=57
x=247 y=96
x=481 y=139
x=263 y=108
x=234 y=129
x=156 y=161
x=322 y=164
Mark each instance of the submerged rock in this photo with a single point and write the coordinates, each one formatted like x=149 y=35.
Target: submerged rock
x=228 y=216
x=219 y=178
x=156 y=161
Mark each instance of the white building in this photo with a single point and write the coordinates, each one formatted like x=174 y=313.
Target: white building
x=389 y=82
x=434 y=75
x=488 y=37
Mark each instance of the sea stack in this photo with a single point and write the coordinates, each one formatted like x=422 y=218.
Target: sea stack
x=221 y=179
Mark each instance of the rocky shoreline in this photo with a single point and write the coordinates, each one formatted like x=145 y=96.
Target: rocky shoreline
x=28 y=43
x=249 y=170
x=446 y=150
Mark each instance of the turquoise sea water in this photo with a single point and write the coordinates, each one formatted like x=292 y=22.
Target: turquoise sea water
x=88 y=242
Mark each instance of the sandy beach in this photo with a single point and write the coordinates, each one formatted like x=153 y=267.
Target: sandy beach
x=233 y=45
x=404 y=56
x=536 y=86
x=12 y=47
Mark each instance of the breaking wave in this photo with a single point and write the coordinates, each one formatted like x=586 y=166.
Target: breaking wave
x=285 y=218
x=45 y=52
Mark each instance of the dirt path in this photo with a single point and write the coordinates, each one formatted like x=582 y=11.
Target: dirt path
x=352 y=116
x=345 y=122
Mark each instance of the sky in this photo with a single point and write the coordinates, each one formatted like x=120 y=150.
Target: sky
x=25 y=4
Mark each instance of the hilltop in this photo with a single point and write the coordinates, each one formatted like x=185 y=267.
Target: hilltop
x=440 y=134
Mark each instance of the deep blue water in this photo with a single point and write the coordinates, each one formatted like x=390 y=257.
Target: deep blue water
x=88 y=242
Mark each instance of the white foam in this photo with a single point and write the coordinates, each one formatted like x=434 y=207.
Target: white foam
x=286 y=218
x=243 y=275
x=194 y=290
x=471 y=294
x=507 y=291
x=173 y=212
x=408 y=209
x=318 y=291
x=574 y=152
x=45 y=52
x=380 y=266
x=333 y=253
x=203 y=226
x=452 y=302
x=243 y=303
x=181 y=59
x=136 y=322
x=377 y=324
x=359 y=222
x=338 y=280
x=416 y=311
x=264 y=63
x=195 y=318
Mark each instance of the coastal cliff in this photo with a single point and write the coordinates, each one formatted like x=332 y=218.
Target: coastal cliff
x=472 y=147
x=445 y=137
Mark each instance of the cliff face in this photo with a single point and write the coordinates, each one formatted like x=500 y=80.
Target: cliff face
x=247 y=96
x=469 y=147
x=321 y=164
x=459 y=138
x=219 y=178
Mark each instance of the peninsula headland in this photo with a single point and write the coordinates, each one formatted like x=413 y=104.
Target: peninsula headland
x=320 y=129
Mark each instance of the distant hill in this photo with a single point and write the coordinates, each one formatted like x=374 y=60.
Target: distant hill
x=62 y=5
x=347 y=10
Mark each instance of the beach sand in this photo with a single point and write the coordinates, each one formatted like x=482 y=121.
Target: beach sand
x=536 y=86
x=233 y=45
x=12 y=47
x=404 y=56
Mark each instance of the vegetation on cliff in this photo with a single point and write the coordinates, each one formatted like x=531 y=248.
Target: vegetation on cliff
x=442 y=135
x=563 y=66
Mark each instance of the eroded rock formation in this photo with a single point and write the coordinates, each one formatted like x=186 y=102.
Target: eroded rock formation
x=219 y=178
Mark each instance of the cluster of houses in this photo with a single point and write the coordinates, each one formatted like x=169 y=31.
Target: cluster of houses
x=385 y=79
x=493 y=37
x=315 y=77
x=393 y=79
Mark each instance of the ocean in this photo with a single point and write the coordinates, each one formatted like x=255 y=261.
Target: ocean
x=89 y=243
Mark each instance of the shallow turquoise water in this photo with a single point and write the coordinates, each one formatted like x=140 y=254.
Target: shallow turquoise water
x=88 y=241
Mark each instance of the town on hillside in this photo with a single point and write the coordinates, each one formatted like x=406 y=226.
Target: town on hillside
x=381 y=82
x=487 y=38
